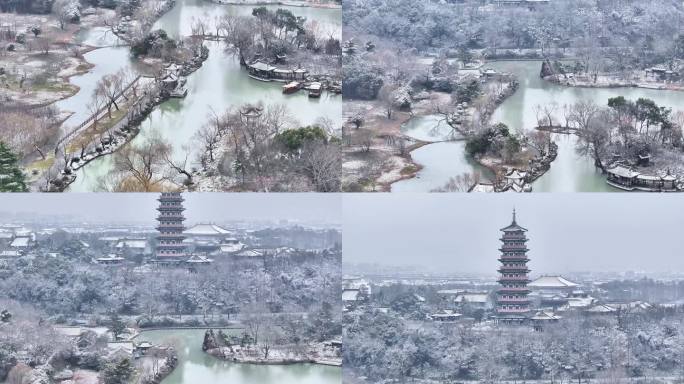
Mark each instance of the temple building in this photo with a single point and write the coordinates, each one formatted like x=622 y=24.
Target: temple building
x=512 y=302
x=170 y=247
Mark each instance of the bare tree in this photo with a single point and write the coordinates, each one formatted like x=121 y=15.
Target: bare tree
x=460 y=183
x=109 y=88
x=139 y=168
x=63 y=10
x=322 y=162
x=386 y=96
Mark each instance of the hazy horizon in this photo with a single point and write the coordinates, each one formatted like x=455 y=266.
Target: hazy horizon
x=567 y=232
x=199 y=207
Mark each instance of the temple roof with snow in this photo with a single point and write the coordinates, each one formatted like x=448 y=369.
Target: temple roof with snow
x=207 y=230
x=552 y=282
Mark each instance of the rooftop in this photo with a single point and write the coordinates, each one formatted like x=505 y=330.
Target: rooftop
x=552 y=282
x=206 y=229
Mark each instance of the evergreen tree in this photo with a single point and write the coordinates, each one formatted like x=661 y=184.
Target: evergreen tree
x=117 y=327
x=118 y=373
x=11 y=177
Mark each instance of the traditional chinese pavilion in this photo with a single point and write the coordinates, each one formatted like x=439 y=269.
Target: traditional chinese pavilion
x=512 y=303
x=170 y=247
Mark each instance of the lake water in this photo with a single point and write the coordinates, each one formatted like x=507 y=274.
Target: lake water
x=195 y=366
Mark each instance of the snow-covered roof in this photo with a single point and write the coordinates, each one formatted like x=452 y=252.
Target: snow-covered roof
x=445 y=314
x=250 y=253
x=471 y=298
x=544 y=315
x=601 y=308
x=552 y=282
x=206 y=229
x=196 y=259
x=20 y=242
x=621 y=171
x=6 y=254
x=261 y=66
x=516 y=175
x=350 y=295
x=580 y=302
x=132 y=243
x=110 y=257
x=231 y=247
x=482 y=188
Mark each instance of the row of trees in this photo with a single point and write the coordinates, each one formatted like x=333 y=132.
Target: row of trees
x=69 y=288
x=605 y=35
x=384 y=346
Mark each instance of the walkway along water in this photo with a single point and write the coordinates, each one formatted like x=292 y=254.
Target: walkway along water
x=220 y=83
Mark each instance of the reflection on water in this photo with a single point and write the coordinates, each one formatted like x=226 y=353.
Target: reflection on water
x=440 y=161
x=429 y=128
x=98 y=37
x=195 y=366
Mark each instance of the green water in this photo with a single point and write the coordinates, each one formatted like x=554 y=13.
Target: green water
x=570 y=172
x=195 y=366
x=220 y=83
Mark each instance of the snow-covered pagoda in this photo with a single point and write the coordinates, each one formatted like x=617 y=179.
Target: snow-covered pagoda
x=170 y=247
x=512 y=303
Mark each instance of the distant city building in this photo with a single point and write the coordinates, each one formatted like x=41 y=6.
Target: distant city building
x=512 y=302
x=170 y=228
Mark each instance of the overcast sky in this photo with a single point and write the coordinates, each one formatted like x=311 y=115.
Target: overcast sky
x=567 y=232
x=200 y=207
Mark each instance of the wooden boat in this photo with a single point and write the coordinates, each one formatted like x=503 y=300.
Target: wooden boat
x=315 y=89
x=292 y=87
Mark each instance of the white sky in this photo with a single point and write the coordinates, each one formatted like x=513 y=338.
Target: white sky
x=568 y=232
x=207 y=207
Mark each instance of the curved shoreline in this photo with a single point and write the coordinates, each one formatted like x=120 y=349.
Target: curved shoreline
x=419 y=167
x=134 y=127
x=216 y=352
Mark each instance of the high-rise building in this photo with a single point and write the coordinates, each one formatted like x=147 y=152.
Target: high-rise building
x=512 y=303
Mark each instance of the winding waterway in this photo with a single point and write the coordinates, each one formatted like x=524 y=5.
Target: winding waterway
x=219 y=84
x=440 y=160
x=195 y=366
x=570 y=172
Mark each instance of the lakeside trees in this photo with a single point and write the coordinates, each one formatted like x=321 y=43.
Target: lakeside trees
x=579 y=347
x=263 y=149
x=627 y=129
